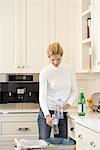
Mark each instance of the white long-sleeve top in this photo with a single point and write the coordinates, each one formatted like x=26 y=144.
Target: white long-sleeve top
x=56 y=83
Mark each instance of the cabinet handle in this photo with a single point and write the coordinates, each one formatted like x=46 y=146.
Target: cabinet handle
x=72 y=129
x=22 y=129
x=15 y=146
x=18 y=66
x=22 y=66
x=93 y=144
x=80 y=136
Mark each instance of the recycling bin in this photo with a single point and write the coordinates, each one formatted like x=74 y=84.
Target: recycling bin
x=30 y=144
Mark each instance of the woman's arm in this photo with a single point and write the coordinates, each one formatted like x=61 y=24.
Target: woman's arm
x=43 y=93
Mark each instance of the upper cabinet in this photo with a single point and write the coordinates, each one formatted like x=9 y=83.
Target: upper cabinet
x=90 y=35
x=96 y=36
x=85 y=36
x=62 y=26
x=9 y=32
x=27 y=27
x=32 y=35
x=22 y=36
x=58 y=28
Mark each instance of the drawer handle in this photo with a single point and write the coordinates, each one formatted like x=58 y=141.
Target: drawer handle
x=80 y=136
x=18 y=66
x=22 y=67
x=72 y=129
x=93 y=144
x=15 y=146
x=22 y=129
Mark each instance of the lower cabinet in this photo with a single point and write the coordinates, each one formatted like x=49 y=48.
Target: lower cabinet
x=71 y=128
x=21 y=125
x=86 y=139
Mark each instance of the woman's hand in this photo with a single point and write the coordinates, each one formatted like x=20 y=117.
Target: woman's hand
x=49 y=120
x=66 y=106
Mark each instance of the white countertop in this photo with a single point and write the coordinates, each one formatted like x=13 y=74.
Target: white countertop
x=19 y=107
x=91 y=120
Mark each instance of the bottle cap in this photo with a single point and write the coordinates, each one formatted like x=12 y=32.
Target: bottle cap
x=81 y=89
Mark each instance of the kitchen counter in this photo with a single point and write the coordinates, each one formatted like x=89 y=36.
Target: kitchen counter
x=91 y=120
x=19 y=107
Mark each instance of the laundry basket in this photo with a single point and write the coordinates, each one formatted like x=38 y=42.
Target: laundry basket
x=23 y=144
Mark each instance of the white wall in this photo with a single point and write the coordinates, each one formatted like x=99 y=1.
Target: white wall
x=89 y=82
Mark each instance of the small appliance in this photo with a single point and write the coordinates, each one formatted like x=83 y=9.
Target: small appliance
x=19 y=89
x=94 y=102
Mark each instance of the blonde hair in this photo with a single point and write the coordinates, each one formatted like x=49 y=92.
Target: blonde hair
x=55 y=48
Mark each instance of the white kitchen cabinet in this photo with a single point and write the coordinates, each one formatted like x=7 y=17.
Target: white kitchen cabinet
x=58 y=23
x=62 y=26
x=96 y=36
x=85 y=54
x=17 y=125
x=86 y=138
x=22 y=36
x=29 y=26
x=9 y=32
x=90 y=27
x=32 y=35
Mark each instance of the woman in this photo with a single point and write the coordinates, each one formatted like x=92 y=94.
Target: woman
x=56 y=81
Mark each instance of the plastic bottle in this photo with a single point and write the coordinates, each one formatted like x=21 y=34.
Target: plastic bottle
x=59 y=109
x=81 y=104
x=55 y=124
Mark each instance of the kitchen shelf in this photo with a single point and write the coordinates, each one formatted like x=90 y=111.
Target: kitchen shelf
x=86 y=35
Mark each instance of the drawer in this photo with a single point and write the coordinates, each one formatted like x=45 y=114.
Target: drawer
x=87 y=137
x=20 y=128
x=20 y=117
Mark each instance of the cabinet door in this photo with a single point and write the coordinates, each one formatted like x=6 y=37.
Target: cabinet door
x=96 y=35
x=32 y=31
x=22 y=35
x=9 y=32
x=17 y=125
x=58 y=27
x=62 y=27
x=86 y=139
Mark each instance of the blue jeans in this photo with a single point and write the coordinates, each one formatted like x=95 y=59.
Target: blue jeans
x=45 y=130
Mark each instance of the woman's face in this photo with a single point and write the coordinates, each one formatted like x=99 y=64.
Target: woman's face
x=55 y=60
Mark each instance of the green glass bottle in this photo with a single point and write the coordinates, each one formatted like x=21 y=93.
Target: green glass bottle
x=81 y=104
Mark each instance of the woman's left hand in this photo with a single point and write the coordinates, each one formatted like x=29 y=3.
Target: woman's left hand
x=66 y=106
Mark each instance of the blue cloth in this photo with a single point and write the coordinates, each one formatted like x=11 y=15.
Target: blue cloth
x=63 y=141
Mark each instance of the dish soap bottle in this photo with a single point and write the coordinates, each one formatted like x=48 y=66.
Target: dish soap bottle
x=81 y=104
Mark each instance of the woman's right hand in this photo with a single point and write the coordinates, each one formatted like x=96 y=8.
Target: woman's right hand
x=49 y=120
